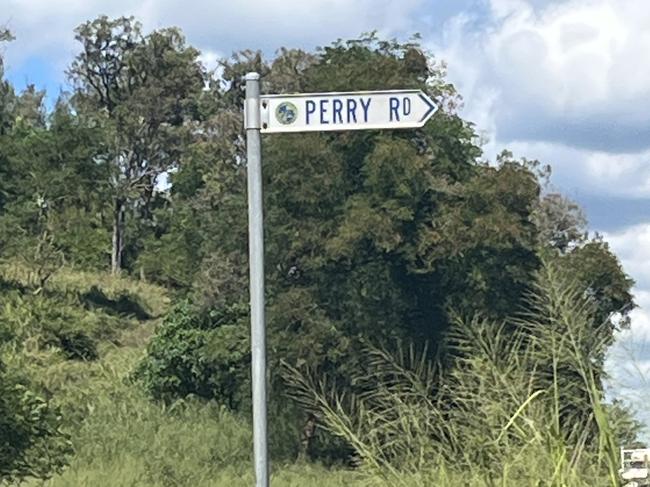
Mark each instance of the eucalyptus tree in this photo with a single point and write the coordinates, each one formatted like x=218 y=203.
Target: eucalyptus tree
x=6 y=90
x=142 y=90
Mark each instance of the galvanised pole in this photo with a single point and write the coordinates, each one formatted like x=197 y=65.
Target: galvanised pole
x=256 y=263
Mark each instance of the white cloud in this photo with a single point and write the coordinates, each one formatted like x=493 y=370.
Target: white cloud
x=593 y=172
x=628 y=361
x=210 y=59
x=572 y=72
x=567 y=83
x=632 y=245
x=44 y=28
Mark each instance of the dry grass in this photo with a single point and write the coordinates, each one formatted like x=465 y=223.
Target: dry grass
x=154 y=298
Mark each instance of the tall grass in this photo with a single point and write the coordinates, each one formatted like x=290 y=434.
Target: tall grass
x=121 y=438
x=520 y=404
x=127 y=440
x=65 y=280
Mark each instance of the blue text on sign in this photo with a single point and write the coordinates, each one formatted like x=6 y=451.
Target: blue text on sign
x=337 y=110
x=396 y=106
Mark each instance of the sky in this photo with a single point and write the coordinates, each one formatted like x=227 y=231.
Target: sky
x=563 y=81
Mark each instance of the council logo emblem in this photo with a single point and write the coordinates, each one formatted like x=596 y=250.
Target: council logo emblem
x=286 y=113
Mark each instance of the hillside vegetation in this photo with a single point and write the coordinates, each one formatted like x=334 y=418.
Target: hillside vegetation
x=116 y=434
x=433 y=318
x=506 y=423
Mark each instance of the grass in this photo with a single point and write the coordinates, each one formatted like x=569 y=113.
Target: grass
x=126 y=440
x=121 y=437
x=519 y=406
x=503 y=415
x=154 y=299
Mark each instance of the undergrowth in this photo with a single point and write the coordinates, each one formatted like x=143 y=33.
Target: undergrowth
x=520 y=404
x=499 y=414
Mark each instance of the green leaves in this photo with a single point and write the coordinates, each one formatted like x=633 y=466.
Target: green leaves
x=143 y=91
x=33 y=442
x=198 y=354
x=515 y=390
x=368 y=234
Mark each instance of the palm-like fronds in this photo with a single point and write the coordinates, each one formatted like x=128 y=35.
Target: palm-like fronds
x=524 y=390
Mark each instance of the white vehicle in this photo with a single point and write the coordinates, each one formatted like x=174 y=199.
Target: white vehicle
x=635 y=467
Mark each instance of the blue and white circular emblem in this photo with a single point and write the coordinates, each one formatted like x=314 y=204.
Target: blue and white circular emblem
x=286 y=113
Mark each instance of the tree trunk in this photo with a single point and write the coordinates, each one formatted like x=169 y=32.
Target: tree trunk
x=118 y=236
x=307 y=437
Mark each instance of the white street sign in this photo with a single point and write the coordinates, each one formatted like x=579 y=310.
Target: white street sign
x=303 y=112
x=361 y=110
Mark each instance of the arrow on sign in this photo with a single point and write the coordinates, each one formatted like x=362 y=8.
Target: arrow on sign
x=361 y=110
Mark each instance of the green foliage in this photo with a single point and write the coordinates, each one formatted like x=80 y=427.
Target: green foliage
x=44 y=322
x=560 y=221
x=142 y=442
x=142 y=91
x=113 y=294
x=33 y=442
x=68 y=317
x=603 y=277
x=170 y=255
x=627 y=429
x=202 y=355
x=7 y=97
x=52 y=337
x=372 y=237
x=509 y=397
x=121 y=437
x=369 y=236
x=51 y=192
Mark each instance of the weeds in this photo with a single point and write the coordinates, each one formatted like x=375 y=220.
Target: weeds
x=521 y=403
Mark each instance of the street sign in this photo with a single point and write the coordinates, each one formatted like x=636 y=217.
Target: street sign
x=305 y=112
x=360 y=110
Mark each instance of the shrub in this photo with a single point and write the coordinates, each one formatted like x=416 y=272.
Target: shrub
x=33 y=443
x=199 y=353
x=55 y=322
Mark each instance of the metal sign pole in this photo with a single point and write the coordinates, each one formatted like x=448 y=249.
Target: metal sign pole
x=303 y=112
x=256 y=264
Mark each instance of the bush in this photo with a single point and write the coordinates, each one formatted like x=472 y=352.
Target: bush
x=55 y=322
x=33 y=444
x=199 y=353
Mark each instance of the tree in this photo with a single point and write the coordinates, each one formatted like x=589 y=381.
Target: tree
x=370 y=235
x=29 y=107
x=6 y=104
x=7 y=96
x=51 y=204
x=142 y=91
